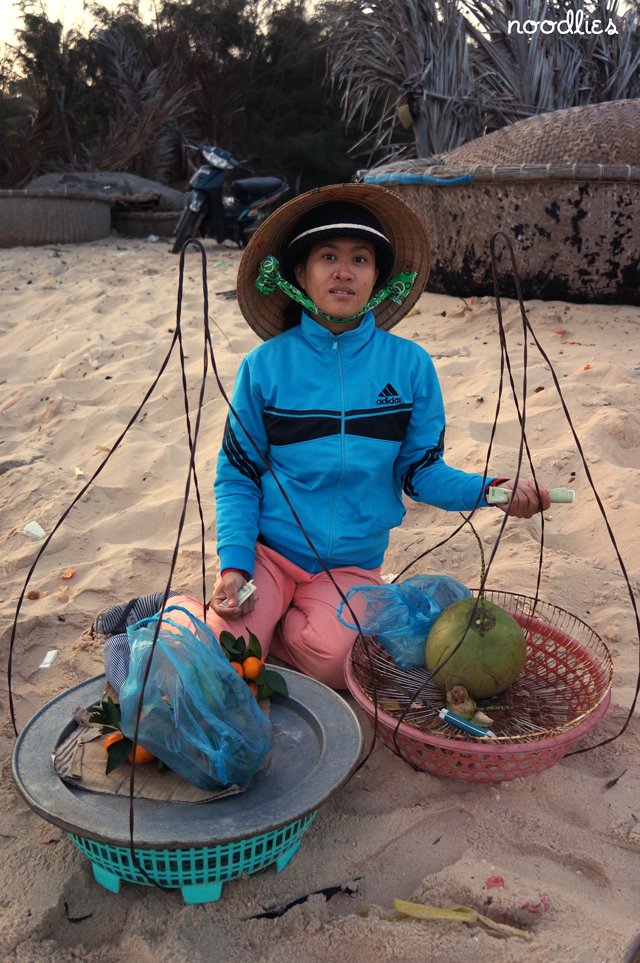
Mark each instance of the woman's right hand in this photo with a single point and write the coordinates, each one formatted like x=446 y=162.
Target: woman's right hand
x=227 y=588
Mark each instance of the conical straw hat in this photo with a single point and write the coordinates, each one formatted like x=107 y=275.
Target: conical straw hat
x=403 y=228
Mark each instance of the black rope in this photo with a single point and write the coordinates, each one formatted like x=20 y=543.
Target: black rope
x=505 y=360
x=45 y=544
x=634 y=604
x=193 y=441
x=192 y=436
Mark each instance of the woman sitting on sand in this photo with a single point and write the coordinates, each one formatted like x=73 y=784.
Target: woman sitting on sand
x=347 y=415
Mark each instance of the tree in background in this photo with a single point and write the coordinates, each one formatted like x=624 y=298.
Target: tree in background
x=525 y=74
x=406 y=60
x=290 y=113
x=452 y=70
x=216 y=44
x=142 y=95
x=41 y=98
x=246 y=74
x=274 y=79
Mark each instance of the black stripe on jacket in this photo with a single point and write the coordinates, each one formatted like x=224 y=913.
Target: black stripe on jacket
x=285 y=427
x=288 y=428
x=430 y=456
x=387 y=424
x=238 y=457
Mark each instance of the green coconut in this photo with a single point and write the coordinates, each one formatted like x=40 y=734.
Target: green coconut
x=492 y=654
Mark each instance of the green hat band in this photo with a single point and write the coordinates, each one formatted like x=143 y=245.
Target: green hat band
x=269 y=280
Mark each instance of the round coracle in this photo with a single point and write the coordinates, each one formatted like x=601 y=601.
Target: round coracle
x=606 y=133
x=563 y=186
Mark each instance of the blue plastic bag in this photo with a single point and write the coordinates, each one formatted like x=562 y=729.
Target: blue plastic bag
x=401 y=615
x=199 y=717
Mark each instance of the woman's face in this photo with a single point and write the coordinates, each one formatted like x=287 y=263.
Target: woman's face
x=339 y=275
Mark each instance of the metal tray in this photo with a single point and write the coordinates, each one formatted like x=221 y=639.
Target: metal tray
x=318 y=743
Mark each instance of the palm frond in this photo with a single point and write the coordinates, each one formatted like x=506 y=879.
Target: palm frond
x=521 y=74
x=385 y=53
x=145 y=104
x=465 y=71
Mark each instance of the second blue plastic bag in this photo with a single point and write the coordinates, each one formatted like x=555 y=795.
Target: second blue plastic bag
x=401 y=615
x=198 y=716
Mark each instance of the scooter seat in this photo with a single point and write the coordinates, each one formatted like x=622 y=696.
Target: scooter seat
x=248 y=188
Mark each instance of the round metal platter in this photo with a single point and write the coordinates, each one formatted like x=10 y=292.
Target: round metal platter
x=317 y=745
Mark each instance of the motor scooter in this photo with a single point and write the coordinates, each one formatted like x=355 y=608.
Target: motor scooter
x=225 y=207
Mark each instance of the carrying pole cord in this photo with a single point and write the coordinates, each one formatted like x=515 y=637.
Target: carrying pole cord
x=523 y=445
x=505 y=361
x=192 y=437
x=193 y=442
x=634 y=604
x=62 y=518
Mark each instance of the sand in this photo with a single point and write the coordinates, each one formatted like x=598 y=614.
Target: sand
x=84 y=330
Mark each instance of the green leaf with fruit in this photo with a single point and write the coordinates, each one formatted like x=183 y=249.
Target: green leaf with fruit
x=268 y=682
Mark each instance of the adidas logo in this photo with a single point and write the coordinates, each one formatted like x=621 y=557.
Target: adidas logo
x=388 y=396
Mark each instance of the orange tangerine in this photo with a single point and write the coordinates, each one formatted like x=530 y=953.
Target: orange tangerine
x=142 y=755
x=252 y=667
x=239 y=669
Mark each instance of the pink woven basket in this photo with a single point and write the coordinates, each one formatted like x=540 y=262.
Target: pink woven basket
x=567 y=675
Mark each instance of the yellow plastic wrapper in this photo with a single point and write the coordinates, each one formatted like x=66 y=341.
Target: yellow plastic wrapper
x=457 y=914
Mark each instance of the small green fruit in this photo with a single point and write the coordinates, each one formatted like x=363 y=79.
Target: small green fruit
x=491 y=656
x=459 y=701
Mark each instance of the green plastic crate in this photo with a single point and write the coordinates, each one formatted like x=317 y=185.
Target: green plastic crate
x=198 y=873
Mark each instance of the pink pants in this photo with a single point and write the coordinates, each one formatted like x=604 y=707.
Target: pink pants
x=295 y=615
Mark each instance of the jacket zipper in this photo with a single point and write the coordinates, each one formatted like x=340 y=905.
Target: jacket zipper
x=336 y=350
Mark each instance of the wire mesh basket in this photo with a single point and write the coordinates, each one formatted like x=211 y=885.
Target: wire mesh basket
x=562 y=692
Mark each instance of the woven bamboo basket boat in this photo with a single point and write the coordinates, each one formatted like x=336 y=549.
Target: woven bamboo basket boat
x=52 y=217
x=563 y=186
x=144 y=223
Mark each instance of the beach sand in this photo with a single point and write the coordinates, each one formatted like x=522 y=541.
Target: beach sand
x=84 y=330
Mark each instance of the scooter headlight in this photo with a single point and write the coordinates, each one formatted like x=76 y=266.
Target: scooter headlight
x=217 y=158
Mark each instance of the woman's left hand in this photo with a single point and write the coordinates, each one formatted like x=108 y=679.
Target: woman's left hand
x=525 y=501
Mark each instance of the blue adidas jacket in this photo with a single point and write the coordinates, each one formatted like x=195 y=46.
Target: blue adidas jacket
x=347 y=423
